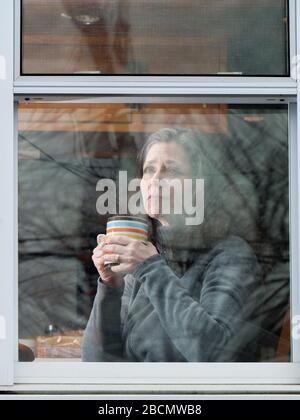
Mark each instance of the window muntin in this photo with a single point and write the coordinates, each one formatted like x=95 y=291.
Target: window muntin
x=63 y=151
x=236 y=37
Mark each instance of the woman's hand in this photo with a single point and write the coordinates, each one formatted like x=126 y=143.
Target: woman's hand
x=127 y=252
x=107 y=276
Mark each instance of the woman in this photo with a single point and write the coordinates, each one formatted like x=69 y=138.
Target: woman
x=179 y=298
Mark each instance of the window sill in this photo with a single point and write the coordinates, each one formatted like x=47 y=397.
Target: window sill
x=171 y=390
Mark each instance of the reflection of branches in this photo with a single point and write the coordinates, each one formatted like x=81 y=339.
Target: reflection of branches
x=238 y=162
x=269 y=299
x=50 y=225
x=264 y=174
x=230 y=179
x=51 y=158
x=41 y=223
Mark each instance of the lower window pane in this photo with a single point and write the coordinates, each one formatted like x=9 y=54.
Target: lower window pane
x=200 y=236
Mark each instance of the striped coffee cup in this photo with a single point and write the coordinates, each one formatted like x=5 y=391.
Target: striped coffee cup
x=131 y=226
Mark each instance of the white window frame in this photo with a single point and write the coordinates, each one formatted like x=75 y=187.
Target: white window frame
x=8 y=195
x=209 y=89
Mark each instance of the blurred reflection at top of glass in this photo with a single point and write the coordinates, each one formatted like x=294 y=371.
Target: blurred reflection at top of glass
x=165 y=37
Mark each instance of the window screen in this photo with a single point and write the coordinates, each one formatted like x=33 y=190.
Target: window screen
x=169 y=37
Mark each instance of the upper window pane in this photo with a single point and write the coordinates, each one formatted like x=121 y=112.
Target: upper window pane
x=165 y=37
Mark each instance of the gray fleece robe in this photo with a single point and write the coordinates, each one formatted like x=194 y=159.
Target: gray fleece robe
x=207 y=314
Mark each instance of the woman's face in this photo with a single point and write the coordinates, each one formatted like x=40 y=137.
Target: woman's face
x=164 y=162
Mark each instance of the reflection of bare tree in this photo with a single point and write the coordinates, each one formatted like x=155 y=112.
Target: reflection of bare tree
x=251 y=168
x=246 y=172
x=58 y=225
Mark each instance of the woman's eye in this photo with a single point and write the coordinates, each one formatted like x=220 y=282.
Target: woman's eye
x=148 y=169
x=166 y=171
x=174 y=171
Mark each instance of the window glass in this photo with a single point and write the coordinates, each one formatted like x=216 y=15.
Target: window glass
x=165 y=37
x=208 y=281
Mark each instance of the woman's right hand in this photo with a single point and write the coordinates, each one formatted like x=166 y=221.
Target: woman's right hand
x=107 y=276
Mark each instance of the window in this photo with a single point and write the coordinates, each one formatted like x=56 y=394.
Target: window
x=191 y=37
x=88 y=84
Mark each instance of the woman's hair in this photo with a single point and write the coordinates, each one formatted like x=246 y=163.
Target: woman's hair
x=193 y=143
x=189 y=142
x=186 y=138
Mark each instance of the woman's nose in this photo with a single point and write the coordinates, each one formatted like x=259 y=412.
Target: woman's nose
x=155 y=179
x=158 y=174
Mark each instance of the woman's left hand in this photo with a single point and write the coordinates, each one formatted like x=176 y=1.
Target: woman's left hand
x=127 y=251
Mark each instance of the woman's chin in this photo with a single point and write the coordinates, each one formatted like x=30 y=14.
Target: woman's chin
x=154 y=215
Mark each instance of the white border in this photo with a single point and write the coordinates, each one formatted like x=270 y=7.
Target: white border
x=294 y=184
x=16 y=238
x=122 y=396
x=170 y=397
x=292 y=30
x=157 y=373
x=148 y=99
x=160 y=388
x=182 y=373
x=207 y=86
x=144 y=373
x=160 y=85
x=7 y=193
